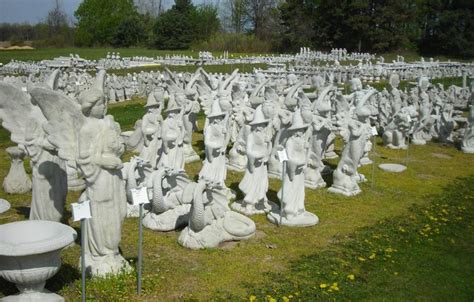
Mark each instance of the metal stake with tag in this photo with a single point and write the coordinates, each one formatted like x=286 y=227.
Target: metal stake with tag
x=82 y=211
x=140 y=197
x=374 y=134
x=283 y=157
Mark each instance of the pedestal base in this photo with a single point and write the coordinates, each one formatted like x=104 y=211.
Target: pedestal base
x=44 y=296
x=305 y=219
x=169 y=220
x=233 y=226
x=396 y=168
x=343 y=191
x=262 y=207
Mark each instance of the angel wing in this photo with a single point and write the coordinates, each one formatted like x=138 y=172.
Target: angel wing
x=64 y=120
x=17 y=112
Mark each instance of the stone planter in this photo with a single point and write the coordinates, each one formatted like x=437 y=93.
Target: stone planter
x=30 y=255
x=17 y=181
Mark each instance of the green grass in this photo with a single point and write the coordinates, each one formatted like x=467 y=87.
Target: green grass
x=283 y=261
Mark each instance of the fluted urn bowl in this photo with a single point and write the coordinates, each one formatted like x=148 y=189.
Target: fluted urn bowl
x=30 y=255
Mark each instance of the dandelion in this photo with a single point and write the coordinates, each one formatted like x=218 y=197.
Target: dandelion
x=334 y=286
x=252 y=298
x=285 y=299
x=351 y=277
x=323 y=285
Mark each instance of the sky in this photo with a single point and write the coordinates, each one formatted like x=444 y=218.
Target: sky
x=34 y=11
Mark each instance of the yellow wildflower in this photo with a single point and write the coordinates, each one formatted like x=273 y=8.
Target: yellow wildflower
x=361 y=259
x=351 y=277
x=372 y=256
x=285 y=299
x=334 y=286
x=323 y=285
x=252 y=298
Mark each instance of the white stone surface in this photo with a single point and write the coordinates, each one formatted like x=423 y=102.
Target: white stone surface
x=4 y=206
x=395 y=168
x=30 y=254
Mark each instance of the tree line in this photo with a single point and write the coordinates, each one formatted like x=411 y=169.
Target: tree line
x=432 y=27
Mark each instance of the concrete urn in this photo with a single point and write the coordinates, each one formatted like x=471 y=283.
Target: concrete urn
x=30 y=255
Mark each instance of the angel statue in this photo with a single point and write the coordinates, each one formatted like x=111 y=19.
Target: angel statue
x=83 y=132
x=25 y=123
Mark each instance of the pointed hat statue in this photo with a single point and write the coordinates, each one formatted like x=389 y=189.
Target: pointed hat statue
x=297 y=121
x=259 y=117
x=172 y=105
x=216 y=109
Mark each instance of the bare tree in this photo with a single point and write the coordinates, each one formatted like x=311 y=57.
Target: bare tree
x=259 y=13
x=153 y=7
x=57 y=18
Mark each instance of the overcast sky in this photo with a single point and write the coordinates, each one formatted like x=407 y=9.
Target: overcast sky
x=34 y=11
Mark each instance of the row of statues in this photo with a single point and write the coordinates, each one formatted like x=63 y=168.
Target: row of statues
x=255 y=125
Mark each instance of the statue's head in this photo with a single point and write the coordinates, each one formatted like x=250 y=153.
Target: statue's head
x=356 y=84
x=394 y=80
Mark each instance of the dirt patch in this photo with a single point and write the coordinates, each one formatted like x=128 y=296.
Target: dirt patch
x=441 y=155
x=17 y=48
x=426 y=176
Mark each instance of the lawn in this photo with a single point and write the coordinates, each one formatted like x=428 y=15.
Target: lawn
x=407 y=236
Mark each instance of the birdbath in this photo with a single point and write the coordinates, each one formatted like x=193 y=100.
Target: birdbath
x=30 y=255
x=17 y=181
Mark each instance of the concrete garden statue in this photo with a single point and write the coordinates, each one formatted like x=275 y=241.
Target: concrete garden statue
x=346 y=177
x=84 y=133
x=16 y=181
x=467 y=144
x=292 y=193
x=211 y=222
x=254 y=184
x=25 y=123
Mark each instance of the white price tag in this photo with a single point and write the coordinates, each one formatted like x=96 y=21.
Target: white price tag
x=81 y=210
x=373 y=131
x=24 y=89
x=409 y=118
x=140 y=196
x=282 y=156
